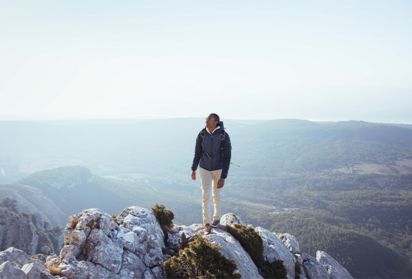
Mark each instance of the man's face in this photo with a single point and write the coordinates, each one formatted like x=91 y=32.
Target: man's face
x=211 y=122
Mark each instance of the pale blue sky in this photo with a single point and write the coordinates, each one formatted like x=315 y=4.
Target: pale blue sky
x=319 y=60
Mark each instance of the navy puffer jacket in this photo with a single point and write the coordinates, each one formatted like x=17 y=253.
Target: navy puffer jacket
x=208 y=153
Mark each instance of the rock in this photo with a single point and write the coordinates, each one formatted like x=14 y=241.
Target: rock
x=229 y=219
x=290 y=242
x=70 y=251
x=31 y=270
x=131 y=245
x=14 y=255
x=132 y=266
x=98 y=245
x=32 y=267
x=103 y=250
x=233 y=250
x=313 y=269
x=179 y=235
x=274 y=249
x=142 y=221
x=299 y=270
x=335 y=270
x=36 y=270
x=10 y=270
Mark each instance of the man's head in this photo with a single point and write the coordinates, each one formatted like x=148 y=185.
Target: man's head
x=212 y=121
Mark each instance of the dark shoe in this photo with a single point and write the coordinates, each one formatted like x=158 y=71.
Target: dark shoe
x=215 y=223
x=208 y=228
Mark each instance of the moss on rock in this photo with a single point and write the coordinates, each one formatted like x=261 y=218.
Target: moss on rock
x=164 y=217
x=250 y=241
x=253 y=245
x=200 y=259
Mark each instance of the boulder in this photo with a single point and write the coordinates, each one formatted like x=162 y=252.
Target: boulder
x=313 y=269
x=290 y=242
x=10 y=270
x=335 y=269
x=14 y=255
x=229 y=219
x=35 y=270
x=233 y=250
x=274 y=249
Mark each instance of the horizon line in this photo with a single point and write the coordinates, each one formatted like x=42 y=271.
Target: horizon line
x=145 y=118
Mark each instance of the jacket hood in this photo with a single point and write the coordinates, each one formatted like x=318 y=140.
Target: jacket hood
x=221 y=125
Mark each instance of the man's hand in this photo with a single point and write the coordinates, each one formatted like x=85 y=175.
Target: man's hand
x=193 y=175
x=220 y=183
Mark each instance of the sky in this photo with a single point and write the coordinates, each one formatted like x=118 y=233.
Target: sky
x=316 y=60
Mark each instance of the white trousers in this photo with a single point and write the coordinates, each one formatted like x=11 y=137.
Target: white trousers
x=209 y=181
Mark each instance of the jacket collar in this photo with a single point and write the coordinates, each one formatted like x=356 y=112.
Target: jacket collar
x=207 y=129
x=219 y=126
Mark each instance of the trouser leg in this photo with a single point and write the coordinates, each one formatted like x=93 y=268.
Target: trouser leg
x=206 y=184
x=216 y=194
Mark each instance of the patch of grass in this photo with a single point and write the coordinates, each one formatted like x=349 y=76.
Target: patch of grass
x=164 y=217
x=200 y=259
x=253 y=245
x=250 y=241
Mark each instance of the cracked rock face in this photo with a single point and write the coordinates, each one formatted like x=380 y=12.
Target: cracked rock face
x=98 y=245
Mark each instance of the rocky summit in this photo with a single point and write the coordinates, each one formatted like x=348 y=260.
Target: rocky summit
x=139 y=243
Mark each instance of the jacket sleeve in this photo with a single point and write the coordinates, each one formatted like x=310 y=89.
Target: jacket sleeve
x=227 y=149
x=198 y=152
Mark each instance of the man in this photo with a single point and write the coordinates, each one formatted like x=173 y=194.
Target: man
x=212 y=154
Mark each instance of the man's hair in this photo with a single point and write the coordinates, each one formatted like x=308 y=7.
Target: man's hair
x=215 y=116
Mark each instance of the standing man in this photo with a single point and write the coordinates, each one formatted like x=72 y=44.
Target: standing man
x=212 y=154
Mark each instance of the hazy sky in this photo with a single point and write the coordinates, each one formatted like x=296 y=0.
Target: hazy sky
x=321 y=60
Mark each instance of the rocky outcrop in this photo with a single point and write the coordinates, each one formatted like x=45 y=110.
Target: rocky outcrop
x=98 y=245
x=26 y=231
x=133 y=245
